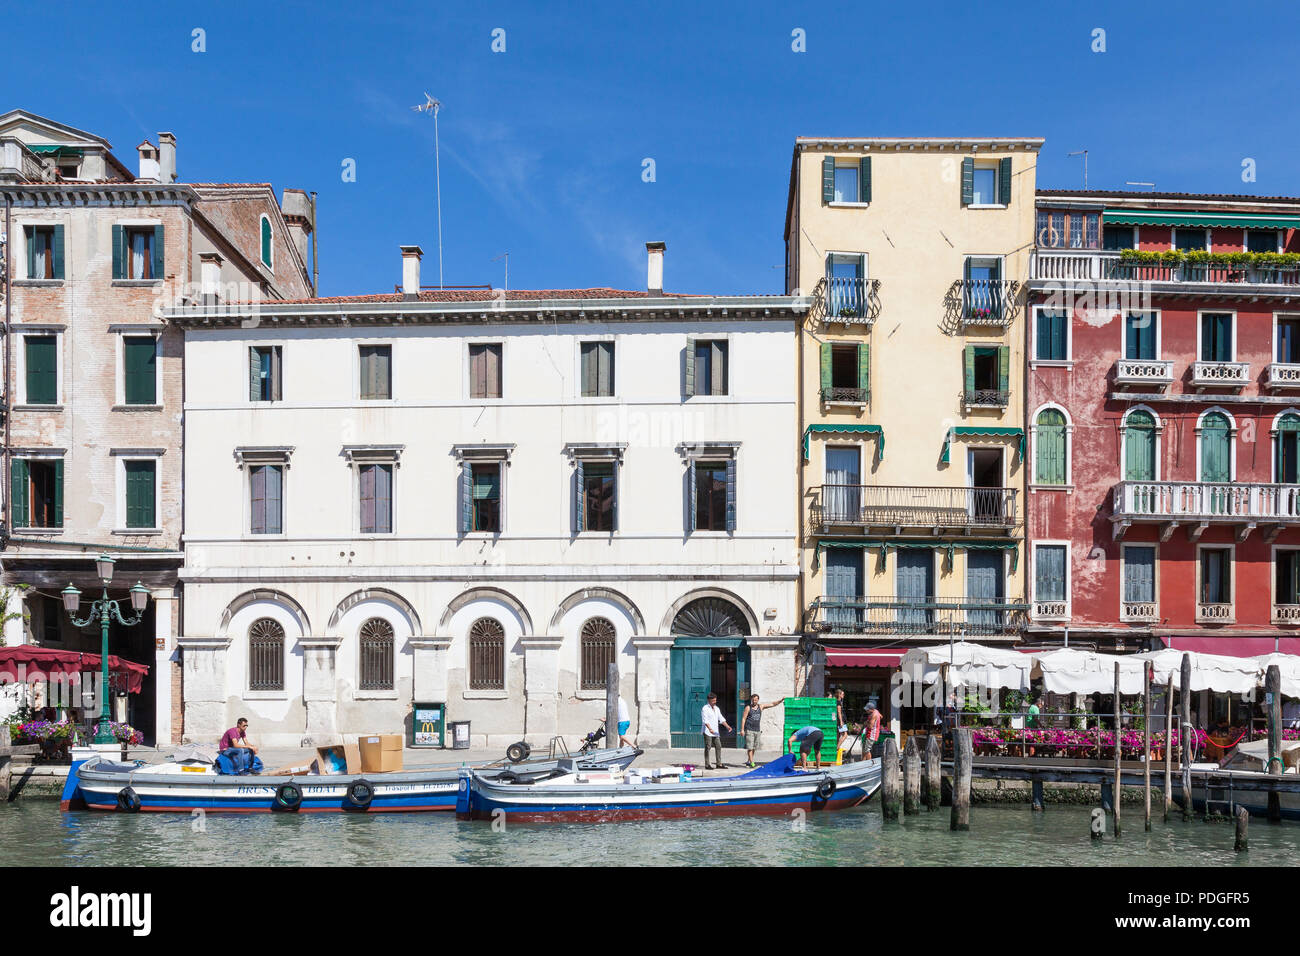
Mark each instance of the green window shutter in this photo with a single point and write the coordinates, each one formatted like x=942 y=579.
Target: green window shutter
x=967 y=181
x=466 y=497
x=58 y=252
x=42 y=370
x=864 y=179
x=119 y=252
x=731 y=494
x=864 y=367
x=18 y=493
x=1004 y=368
x=1216 y=449
x=1139 y=447
x=58 y=493
x=690 y=367
x=828 y=179
x=618 y=487
x=266 y=242
x=140 y=361
x=29 y=237
x=580 y=502
x=139 y=494
x=1004 y=181
x=158 y=260
x=1050 y=448
x=969 y=356
x=690 y=496
x=826 y=352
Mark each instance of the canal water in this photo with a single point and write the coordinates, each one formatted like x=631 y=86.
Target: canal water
x=34 y=832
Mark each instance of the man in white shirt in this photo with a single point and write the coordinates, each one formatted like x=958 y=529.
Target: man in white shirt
x=624 y=723
x=710 y=718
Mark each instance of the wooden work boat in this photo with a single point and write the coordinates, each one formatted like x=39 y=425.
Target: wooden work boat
x=1247 y=765
x=776 y=788
x=98 y=784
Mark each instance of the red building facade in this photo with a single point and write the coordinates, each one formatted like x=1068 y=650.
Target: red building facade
x=1163 y=411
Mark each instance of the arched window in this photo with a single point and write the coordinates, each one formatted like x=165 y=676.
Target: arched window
x=1140 y=446
x=487 y=655
x=1216 y=448
x=376 y=640
x=710 y=617
x=597 y=647
x=266 y=655
x=1049 y=448
x=1287 y=450
x=266 y=242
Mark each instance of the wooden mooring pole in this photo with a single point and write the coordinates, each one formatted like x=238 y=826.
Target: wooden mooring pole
x=962 y=759
x=1169 y=745
x=1119 y=733
x=1273 y=700
x=1185 y=732
x=1146 y=745
x=890 y=797
x=611 y=706
x=1242 y=842
x=912 y=777
x=933 y=789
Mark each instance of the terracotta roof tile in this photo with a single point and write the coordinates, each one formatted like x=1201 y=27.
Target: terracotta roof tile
x=481 y=295
x=1143 y=194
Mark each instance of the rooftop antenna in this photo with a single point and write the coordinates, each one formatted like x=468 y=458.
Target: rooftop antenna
x=506 y=257
x=432 y=106
x=1152 y=185
x=1084 y=154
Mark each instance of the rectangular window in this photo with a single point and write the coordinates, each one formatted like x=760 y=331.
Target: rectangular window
x=597 y=359
x=376 y=490
x=37 y=489
x=985 y=186
x=846 y=183
x=140 y=493
x=1287 y=569
x=1216 y=337
x=266 y=483
x=376 y=362
x=844 y=369
x=710 y=496
x=51 y=620
x=845 y=285
x=598 y=489
x=1049 y=572
x=1190 y=240
x=264 y=373
x=1216 y=576
x=710 y=367
x=41 y=358
x=1139 y=574
x=139 y=369
x=1051 y=330
x=1115 y=238
x=44 y=252
x=1140 y=336
x=485 y=482
x=485 y=370
x=139 y=258
x=1288 y=340
x=1261 y=240
x=986 y=368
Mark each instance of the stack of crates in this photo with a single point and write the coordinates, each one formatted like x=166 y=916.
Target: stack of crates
x=816 y=712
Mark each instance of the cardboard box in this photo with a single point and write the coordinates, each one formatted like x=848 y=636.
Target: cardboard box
x=348 y=754
x=380 y=753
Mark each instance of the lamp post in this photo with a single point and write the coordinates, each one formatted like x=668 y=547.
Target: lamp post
x=102 y=609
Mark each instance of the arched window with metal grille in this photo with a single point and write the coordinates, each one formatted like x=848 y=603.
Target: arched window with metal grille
x=598 y=643
x=376 y=640
x=487 y=655
x=266 y=655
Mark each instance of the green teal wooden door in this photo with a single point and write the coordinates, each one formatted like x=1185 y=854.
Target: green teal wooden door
x=690 y=672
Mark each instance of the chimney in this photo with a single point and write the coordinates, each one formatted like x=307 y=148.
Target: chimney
x=655 y=270
x=411 y=256
x=210 y=276
x=148 y=161
x=167 y=158
x=296 y=208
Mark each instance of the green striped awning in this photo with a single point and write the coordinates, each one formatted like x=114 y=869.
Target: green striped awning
x=1147 y=217
x=828 y=428
x=54 y=149
x=977 y=431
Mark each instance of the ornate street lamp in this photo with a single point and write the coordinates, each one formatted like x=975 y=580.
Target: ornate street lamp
x=102 y=609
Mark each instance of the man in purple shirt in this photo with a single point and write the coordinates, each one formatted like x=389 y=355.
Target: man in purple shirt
x=237 y=736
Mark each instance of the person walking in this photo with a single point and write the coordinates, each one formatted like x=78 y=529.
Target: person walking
x=624 y=722
x=841 y=722
x=710 y=718
x=751 y=722
x=871 y=732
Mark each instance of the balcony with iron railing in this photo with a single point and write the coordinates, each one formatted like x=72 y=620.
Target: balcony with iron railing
x=985 y=398
x=837 y=395
x=936 y=509
x=846 y=300
x=1067 y=265
x=971 y=617
x=982 y=303
x=1198 y=504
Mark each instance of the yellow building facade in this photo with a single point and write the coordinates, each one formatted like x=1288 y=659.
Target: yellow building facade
x=912 y=418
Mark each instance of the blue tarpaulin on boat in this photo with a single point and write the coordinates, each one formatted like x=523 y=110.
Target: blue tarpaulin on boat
x=237 y=761
x=779 y=767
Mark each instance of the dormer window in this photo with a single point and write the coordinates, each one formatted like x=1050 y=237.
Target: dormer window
x=266 y=242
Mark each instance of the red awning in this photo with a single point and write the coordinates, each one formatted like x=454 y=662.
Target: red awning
x=862 y=657
x=27 y=661
x=1234 y=646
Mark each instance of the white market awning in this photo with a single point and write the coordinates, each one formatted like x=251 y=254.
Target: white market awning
x=1071 y=671
x=969 y=665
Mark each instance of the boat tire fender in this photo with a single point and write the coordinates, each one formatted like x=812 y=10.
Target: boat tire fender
x=128 y=800
x=518 y=752
x=361 y=793
x=288 y=797
x=826 y=789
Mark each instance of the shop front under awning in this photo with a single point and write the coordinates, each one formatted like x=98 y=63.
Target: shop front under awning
x=863 y=657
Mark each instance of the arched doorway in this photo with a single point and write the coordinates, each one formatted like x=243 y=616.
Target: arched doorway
x=709 y=653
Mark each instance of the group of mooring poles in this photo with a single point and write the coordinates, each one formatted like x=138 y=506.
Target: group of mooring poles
x=921 y=782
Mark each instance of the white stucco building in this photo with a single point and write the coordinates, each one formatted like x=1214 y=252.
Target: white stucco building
x=477 y=499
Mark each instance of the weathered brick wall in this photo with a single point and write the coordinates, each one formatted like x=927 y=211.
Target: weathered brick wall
x=238 y=216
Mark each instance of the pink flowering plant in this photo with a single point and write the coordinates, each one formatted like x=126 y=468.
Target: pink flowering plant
x=123 y=732
x=54 y=736
x=1064 y=742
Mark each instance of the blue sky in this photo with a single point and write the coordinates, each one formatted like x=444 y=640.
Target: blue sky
x=543 y=145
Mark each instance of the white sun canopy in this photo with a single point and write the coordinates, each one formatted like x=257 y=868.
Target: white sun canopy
x=1288 y=665
x=971 y=664
x=1071 y=671
x=1224 y=675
